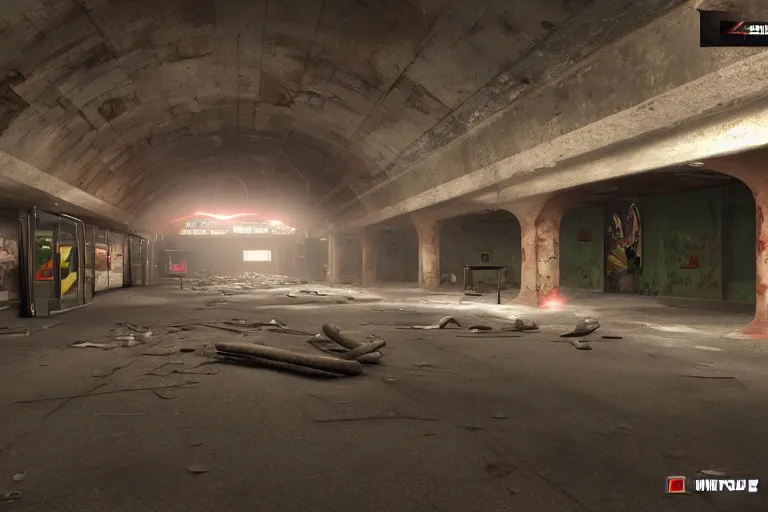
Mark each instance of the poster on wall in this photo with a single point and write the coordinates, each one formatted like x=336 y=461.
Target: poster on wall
x=102 y=267
x=625 y=252
x=9 y=277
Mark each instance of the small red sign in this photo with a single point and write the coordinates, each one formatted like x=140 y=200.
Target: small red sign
x=675 y=485
x=693 y=262
x=585 y=236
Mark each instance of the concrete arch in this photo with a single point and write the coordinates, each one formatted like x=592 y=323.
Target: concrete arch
x=750 y=169
x=467 y=239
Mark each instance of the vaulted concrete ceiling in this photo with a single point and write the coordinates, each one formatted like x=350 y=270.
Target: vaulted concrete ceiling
x=149 y=104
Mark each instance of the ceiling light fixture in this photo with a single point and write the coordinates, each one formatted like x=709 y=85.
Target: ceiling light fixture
x=696 y=164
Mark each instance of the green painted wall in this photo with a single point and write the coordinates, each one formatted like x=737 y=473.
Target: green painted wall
x=677 y=227
x=716 y=225
x=463 y=238
x=739 y=240
x=582 y=263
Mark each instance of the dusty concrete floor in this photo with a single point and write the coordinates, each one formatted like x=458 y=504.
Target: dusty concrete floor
x=461 y=423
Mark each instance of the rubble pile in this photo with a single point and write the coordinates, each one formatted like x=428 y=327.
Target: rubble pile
x=206 y=279
x=125 y=334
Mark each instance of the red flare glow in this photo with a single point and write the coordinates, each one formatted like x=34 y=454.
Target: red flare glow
x=553 y=301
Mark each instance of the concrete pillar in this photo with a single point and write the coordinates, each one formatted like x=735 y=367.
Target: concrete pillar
x=335 y=256
x=752 y=169
x=368 y=246
x=540 y=249
x=428 y=231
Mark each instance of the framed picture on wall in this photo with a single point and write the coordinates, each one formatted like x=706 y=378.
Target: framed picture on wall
x=484 y=257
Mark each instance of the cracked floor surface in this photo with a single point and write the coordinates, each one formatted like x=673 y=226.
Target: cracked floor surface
x=450 y=421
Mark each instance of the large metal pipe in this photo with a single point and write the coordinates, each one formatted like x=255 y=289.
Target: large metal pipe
x=327 y=364
x=249 y=360
x=363 y=349
x=334 y=333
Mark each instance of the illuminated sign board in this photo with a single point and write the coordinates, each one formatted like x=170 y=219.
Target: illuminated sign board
x=210 y=228
x=250 y=230
x=203 y=232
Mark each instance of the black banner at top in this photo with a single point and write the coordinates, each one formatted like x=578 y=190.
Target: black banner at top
x=720 y=28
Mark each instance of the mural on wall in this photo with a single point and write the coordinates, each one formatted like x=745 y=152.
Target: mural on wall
x=9 y=277
x=625 y=251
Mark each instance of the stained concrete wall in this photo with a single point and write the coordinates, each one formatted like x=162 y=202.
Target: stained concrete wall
x=715 y=225
x=739 y=242
x=397 y=255
x=462 y=239
x=582 y=260
x=311 y=266
x=676 y=228
x=593 y=105
x=352 y=261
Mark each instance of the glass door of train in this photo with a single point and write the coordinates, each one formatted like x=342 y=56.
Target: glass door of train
x=59 y=255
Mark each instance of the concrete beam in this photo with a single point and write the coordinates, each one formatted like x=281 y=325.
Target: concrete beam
x=43 y=185
x=616 y=96
x=533 y=172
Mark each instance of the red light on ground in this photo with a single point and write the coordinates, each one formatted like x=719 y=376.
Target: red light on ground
x=675 y=485
x=553 y=301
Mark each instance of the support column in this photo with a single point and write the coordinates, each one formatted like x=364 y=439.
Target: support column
x=539 y=249
x=751 y=168
x=368 y=246
x=428 y=231
x=335 y=256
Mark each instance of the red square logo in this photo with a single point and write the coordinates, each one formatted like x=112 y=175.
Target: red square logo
x=675 y=485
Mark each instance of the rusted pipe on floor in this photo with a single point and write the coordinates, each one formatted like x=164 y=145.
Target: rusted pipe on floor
x=372 y=358
x=363 y=349
x=249 y=360
x=334 y=333
x=327 y=364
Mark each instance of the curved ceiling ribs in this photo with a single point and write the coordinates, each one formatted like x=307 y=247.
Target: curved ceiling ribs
x=135 y=100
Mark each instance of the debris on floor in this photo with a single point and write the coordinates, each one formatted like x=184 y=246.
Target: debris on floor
x=161 y=351
x=333 y=341
x=125 y=334
x=205 y=280
x=91 y=344
x=583 y=328
x=258 y=355
x=442 y=324
x=198 y=467
x=165 y=394
x=581 y=345
x=446 y=321
x=312 y=292
x=18 y=477
x=524 y=324
x=10 y=495
x=7 y=330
